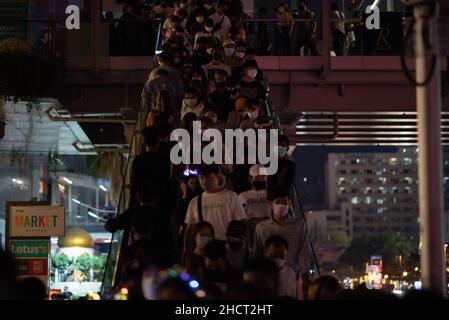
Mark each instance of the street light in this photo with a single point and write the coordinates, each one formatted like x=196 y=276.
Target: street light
x=67 y=180
x=102 y=187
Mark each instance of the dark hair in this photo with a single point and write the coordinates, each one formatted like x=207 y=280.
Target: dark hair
x=284 y=138
x=31 y=289
x=260 y=264
x=151 y=136
x=335 y=6
x=7 y=276
x=165 y=129
x=192 y=90
x=182 y=13
x=251 y=51
x=209 y=23
x=188 y=118
x=164 y=56
x=205 y=169
x=252 y=101
x=276 y=241
x=215 y=249
x=203 y=224
x=240 y=44
x=236 y=228
x=278 y=193
x=324 y=288
x=250 y=64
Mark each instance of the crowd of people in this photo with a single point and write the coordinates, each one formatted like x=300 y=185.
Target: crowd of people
x=214 y=231
x=292 y=32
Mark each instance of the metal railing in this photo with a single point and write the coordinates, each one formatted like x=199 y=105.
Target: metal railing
x=120 y=238
x=298 y=211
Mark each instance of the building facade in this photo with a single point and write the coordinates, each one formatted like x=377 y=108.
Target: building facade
x=382 y=188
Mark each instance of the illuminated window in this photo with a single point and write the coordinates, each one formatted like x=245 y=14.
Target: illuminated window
x=368 y=200
x=407 y=161
x=355 y=200
x=393 y=161
x=380 y=201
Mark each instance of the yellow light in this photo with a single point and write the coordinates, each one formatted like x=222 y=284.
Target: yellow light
x=416 y=268
x=386 y=276
x=404 y=274
x=446 y=245
x=200 y=294
x=124 y=291
x=333 y=271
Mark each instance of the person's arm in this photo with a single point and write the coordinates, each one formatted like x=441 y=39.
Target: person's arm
x=190 y=222
x=133 y=184
x=238 y=210
x=258 y=240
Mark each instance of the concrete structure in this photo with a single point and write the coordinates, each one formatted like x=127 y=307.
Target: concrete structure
x=382 y=188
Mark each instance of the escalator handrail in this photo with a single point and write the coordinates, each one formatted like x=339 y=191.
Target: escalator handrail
x=297 y=205
x=137 y=131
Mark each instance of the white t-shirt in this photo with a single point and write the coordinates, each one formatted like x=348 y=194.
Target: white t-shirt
x=287 y=282
x=255 y=203
x=219 y=209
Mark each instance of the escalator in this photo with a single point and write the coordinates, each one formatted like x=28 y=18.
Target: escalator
x=120 y=238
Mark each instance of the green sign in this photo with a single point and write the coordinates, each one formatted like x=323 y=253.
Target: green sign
x=13 y=16
x=30 y=248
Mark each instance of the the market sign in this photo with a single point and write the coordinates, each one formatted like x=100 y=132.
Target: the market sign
x=36 y=221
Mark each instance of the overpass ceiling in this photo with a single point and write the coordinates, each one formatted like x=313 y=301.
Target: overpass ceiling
x=360 y=128
x=35 y=132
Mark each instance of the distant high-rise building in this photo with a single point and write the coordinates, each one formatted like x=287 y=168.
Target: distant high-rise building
x=382 y=188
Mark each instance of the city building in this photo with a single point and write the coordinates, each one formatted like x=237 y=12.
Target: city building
x=382 y=188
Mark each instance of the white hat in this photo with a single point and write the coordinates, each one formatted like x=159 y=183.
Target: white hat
x=257 y=170
x=228 y=42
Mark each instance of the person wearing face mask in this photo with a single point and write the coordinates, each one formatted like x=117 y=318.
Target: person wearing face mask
x=222 y=23
x=285 y=175
x=253 y=111
x=195 y=23
x=276 y=248
x=220 y=97
x=230 y=58
x=192 y=102
x=216 y=64
x=200 y=55
x=237 y=245
x=207 y=31
x=216 y=204
x=203 y=234
x=255 y=201
x=282 y=224
x=249 y=87
x=209 y=7
x=216 y=270
x=238 y=114
x=216 y=124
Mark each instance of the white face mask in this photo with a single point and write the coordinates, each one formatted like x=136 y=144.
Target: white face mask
x=208 y=6
x=240 y=54
x=209 y=29
x=229 y=51
x=252 y=73
x=190 y=102
x=253 y=115
x=209 y=50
